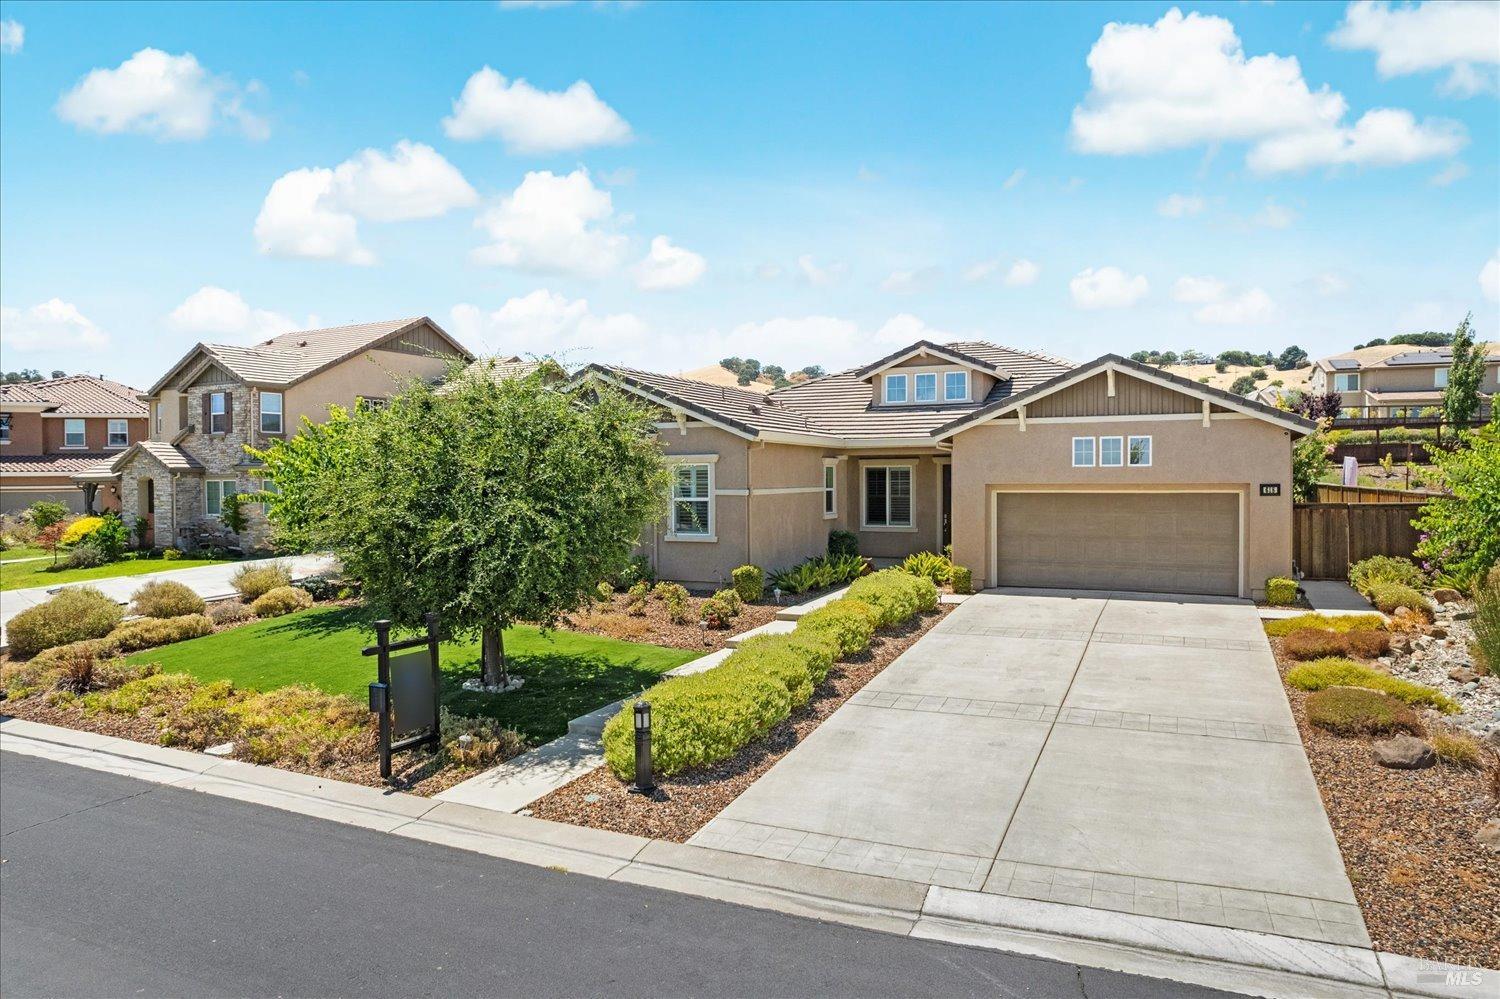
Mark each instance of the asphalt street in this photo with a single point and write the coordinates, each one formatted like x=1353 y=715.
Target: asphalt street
x=113 y=887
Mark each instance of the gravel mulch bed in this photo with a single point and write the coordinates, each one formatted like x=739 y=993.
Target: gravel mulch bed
x=1425 y=886
x=686 y=802
x=613 y=620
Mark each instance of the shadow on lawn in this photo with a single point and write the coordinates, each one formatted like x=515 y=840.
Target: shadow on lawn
x=327 y=622
x=558 y=688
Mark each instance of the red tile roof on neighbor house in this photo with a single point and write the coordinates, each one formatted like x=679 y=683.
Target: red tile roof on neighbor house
x=49 y=464
x=76 y=395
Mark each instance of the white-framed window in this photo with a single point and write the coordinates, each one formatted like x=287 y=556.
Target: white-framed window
x=926 y=386
x=73 y=435
x=1111 y=452
x=1346 y=383
x=692 y=500
x=830 y=489
x=4 y=428
x=1083 y=452
x=270 y=412
x=215 y=491
x=218 y=412
x=119 y=433
x=156 y=417
x=264 y=485
x=888 y=496
x=1440 y=378
x=956 y=386
x=895 y=388
x=1140 y=452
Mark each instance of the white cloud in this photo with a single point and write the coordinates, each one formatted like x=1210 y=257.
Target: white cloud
x=53 y=325
x=1274 y=216
x=159 y=94
x=1016 y=176
x=1463 y=37
x=1185 y=81
x=1198 y=289
x=817 y=276
x=1176 y=206
x=553 y=224
x=12 y=36
x=1107 y=288
x=1331 y=284
x=314 y=212
x=545 y=322
x=1251 y=306
x=1489 y=278
x=909 y=280
x=1023 y=272
x=1453 y=172
x=668 y=266
x=215 y=311
x=534 y=121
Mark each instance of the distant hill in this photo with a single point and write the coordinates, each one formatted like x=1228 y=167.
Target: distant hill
x=717 y=375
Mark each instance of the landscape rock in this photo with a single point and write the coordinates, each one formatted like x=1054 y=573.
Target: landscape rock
x=1439 y=632
x=1444 y=595
x=1489 y=835
x=1404 y=752
x=1462 y=674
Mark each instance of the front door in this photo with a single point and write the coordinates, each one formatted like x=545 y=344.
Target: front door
x=947 y=507
x=146 y=495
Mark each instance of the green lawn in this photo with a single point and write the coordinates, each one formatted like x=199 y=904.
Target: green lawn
x=11 y=554
x=19 y=575
x=566 y=674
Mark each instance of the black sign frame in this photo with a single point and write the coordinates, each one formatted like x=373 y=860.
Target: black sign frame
x=383 y=694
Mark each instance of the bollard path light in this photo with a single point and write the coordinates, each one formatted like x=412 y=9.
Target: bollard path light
x=777 y=592
x=645 y=782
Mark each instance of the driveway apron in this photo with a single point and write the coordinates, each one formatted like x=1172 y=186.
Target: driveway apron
x=1119 y=751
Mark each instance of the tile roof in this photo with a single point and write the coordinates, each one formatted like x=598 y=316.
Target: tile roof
x=171 y=457
x=293 y=356
x=1391 y=355
x=77 y=394
x=49 y=464
x=839 y=406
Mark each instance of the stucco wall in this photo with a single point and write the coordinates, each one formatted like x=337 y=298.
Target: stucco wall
x=375 y=374
x=25 y=434
x=1238 y=454
x=895 y=542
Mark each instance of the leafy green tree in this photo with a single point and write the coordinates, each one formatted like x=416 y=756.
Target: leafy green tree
x=1292 y=358
x=1460 y=533
x=1243 y=384
x=1465 y=375
x=1310 y=463
x=1427 y=339
x=44 y=513
x=491 y=502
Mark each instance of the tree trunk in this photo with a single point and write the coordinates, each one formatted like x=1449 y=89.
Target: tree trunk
x=492 y=656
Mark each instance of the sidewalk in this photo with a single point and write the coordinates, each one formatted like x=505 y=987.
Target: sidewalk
x=211 y=582
x=1234 y=960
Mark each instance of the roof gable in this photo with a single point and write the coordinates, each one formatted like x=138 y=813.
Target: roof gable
x=1134 y=369
x=940 y=352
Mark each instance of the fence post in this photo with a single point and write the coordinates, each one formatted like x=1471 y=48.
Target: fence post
x=383 y=663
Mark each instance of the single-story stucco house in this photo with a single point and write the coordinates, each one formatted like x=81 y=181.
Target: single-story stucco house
x=1110 y=474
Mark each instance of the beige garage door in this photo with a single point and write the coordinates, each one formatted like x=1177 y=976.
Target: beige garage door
x=1156 y=542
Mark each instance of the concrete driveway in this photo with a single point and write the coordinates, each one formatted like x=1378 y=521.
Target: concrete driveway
x=1117 y=751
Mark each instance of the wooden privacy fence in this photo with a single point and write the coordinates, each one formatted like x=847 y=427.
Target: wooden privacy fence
x=1329 y=537
x=1328 y=493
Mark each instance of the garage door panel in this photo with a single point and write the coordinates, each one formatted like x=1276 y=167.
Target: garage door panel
x=1156 y=542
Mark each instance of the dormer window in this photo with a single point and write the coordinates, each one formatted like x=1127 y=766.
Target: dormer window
x=956 y=386
x=895 y=388
x=926 y=387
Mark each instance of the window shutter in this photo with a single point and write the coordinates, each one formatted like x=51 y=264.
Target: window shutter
x=228 y=412
x=206 y=427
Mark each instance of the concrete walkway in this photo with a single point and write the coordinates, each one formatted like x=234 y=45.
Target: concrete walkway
x=211 y=582
x=1335 y=595
x=1120 y=752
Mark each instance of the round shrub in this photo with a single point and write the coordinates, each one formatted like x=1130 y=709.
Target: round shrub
x=74 y=614
x=848 y=624
x=1367 y=644
x=1281 y=591
x=149 y=632
x=281 y=600
x=818 y=649
x=1389 y=597
x=749 y=582
x=85 y=556
x=1357 y=711
x=715 y=613
x=963 y=579
x=80 y=529
x=254 y=581
x=698 y=719
x=166 y=598
x=229 y=612
x=1371 y=572
x=1313 y=643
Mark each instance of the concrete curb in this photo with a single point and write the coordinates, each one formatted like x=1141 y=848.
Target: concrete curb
x=1237 y=960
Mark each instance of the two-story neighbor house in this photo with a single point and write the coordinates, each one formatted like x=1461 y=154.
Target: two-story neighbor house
x=1394 y=379
x=51 y=429
x=1108 y=475
x=220 y=397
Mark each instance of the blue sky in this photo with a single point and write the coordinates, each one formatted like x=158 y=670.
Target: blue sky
x=806 y=184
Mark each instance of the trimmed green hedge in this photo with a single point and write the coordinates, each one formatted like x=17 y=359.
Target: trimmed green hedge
x=1281 y=591
x=749 y=582
x=963 y=579
x=701 y=719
